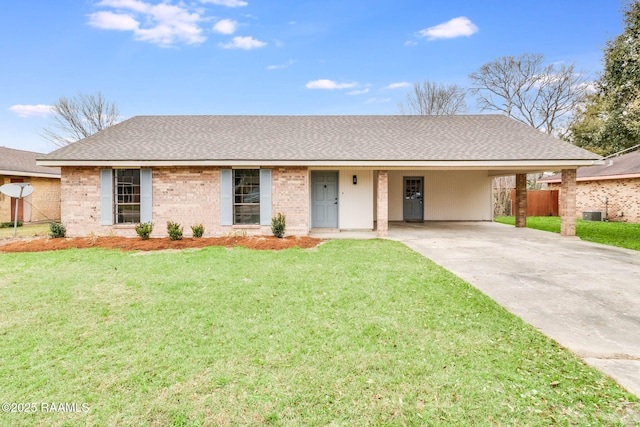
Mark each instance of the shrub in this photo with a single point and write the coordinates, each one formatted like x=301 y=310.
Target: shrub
x=198 y=230
x=175 y=230
x=278 y=225
x=144 y=230
x=10 y=224
x=57 y=230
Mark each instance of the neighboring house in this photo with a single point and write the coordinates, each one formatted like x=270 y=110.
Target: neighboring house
x=44 y=203
x=612 y=188
x=234 y=173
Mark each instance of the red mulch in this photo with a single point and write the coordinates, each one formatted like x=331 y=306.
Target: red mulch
x=154 y=244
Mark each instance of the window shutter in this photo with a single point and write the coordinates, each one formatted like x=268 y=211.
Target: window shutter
x=226 y=197
x=106 y=196
x=265 y=196
x=146 y=192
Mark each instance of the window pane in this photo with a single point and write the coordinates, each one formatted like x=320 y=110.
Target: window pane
x=246 y=200
x=127 y=197
x=247 y=214
x=128 y=214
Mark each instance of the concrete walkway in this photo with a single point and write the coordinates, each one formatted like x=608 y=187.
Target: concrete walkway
x=584 y=295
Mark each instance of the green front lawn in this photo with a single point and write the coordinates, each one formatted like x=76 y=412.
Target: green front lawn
x=26 y=231
x=622 y=234
x=351 y=333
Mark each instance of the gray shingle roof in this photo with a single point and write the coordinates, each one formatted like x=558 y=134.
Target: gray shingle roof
x=19 y=162
x=319 y=138
x=624 y=165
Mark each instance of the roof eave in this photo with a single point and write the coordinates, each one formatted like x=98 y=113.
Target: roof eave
x=595 y=178
x=466 y=164
x=30 y=174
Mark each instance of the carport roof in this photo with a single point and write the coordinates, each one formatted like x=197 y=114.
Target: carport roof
x=303 y=140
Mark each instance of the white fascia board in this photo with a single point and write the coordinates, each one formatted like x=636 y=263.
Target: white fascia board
x=377 y=164
x=30 y=174
x=594 y=178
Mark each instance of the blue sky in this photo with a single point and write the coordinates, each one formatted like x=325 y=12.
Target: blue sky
x=270 y=57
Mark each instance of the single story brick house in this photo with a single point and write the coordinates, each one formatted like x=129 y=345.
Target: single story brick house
x=44 y=203
x=612 y=188
x=234 y=173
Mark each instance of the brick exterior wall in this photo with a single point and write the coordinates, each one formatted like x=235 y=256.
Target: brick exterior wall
x=186 y=195
x=80 y=201
x=290 y=196
x=623 y=198
x=42 y=205
x=45 y=199
x=5 y=201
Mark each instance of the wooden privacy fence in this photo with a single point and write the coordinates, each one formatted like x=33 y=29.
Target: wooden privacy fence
x=539 y=202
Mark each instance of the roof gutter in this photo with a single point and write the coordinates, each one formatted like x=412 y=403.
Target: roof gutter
x=377 y=164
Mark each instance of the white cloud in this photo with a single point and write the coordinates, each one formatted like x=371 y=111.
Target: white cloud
x=163 y=24
x=457 y=27
x=589 y=87
x=246 y=43
x=329 y=84
x=359 y=92
x=228 y=3
x=377 y=100
x=410 y=43
x=25 y=111
x=226 y=26
x=397 y=85
x=281 y=66
x=135 y=5
x=113 y=21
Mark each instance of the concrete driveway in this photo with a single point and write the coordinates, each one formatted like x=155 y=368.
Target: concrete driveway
x=584 y=295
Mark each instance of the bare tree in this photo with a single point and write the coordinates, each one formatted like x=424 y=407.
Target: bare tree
x=541 y=96
x=502 y=187
x=434 y=99
x=79 y=117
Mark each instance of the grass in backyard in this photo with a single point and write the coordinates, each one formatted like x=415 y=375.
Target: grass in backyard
x=351 y=333
x=26 y=231
x=621 y=234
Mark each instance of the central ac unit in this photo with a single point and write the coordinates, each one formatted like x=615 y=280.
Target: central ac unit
x=592 y=216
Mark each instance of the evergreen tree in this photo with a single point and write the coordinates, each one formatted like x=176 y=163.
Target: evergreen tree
x=609 y=121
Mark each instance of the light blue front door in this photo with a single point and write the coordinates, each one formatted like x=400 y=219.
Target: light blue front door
x=324 y=199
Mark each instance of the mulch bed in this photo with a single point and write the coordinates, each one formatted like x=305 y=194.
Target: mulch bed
x=154 y=244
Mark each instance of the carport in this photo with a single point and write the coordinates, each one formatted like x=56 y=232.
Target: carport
x=392 y=199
